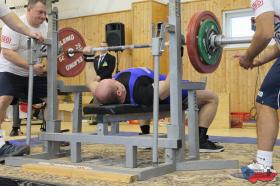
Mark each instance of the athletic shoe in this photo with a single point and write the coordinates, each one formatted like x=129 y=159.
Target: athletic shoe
x=257 y=172
x=9 y=149
x=209 y=146
x=145 y=129
x=16 y=132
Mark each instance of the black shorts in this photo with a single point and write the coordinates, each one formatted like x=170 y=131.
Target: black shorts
x=269 y=93
x=17 y=86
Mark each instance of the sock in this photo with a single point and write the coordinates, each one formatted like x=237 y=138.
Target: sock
x=202 y=133
x=264 y=158
x=2 y=140
x=145 y=129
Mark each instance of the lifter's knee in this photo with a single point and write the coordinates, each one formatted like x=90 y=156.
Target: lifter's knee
x=207 y=96
x=214 y=97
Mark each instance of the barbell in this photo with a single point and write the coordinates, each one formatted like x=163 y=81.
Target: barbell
x=204 y=41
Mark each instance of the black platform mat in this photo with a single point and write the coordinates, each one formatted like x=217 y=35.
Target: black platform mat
x=8 y=181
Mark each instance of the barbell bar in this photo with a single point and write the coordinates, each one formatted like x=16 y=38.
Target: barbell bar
x=71 y=51
x=205 y=41
x=119 y=48
x=221 y=41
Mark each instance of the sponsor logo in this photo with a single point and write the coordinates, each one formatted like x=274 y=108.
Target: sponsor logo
x=146 y=69
x=257 y=4
x=260 y=94
x=277 y=32
x=6 y=39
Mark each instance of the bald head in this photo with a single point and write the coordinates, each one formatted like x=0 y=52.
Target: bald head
x=106 y=92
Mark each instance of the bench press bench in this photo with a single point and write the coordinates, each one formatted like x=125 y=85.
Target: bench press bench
x=114 y=114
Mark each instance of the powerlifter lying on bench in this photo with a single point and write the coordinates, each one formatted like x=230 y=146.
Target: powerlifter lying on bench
x=135 y=86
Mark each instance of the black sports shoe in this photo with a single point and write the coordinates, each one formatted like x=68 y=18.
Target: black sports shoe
x=9 y=149
x=15 y=132
x=209 y=146
x=145 y=129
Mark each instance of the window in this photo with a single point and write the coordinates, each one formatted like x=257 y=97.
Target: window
x=237 y=23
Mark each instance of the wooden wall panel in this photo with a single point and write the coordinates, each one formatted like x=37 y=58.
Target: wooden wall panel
x=145 y=14
x=141 y=33
x=159 y=14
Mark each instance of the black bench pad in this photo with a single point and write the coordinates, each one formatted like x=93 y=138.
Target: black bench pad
x=121 y=109
x=124 y=109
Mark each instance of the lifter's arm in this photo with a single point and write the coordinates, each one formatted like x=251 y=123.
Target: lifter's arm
x=268 y=56
x=92 y=79
x=164 y=88
x=16 y=59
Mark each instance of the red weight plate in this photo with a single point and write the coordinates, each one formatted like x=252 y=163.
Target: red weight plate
x=192 y=43
x=70 y=65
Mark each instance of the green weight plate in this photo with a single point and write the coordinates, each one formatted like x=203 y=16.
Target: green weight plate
x=210 y=55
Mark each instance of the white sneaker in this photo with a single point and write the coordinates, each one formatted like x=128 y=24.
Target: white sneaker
x=259 y=167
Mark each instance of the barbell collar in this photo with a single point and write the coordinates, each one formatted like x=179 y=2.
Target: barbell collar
x=221 y=41
x=170 y=28
x=42 y=56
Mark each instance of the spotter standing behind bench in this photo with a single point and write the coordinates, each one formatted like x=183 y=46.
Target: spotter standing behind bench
x=14 y=67
x=135 y=86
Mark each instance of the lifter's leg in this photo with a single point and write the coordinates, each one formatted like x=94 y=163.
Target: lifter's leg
x=208 y=104
x=16 y=121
